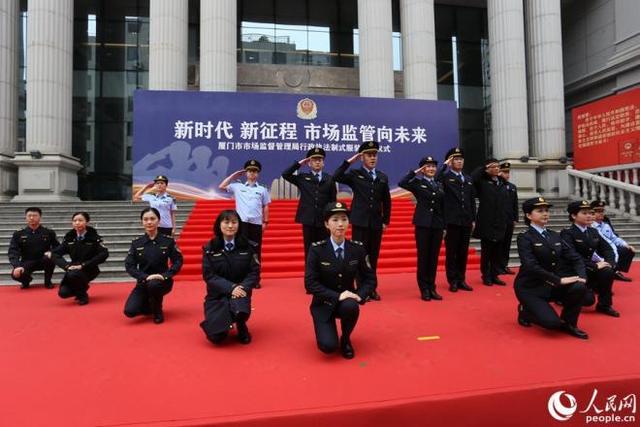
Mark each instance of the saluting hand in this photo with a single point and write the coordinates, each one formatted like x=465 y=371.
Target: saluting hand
x=357 y=156
x=238 y=292
x=304 y=161
x=239 y=173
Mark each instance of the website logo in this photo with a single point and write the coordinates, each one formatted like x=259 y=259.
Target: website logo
x=557 y=408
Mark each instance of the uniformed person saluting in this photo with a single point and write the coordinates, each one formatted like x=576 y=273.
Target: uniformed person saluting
x=371 y=206
x=162 y=201
x=491 y=222
x=317 y=188
x=84 y=246
x=30 y=250
x=252 y=202
x=428 y=220
x=330 y=271
x=148 y=262
x=231 y=269
x=550 y=270
x=512 y=217
x=596 y=253
x=460 y=209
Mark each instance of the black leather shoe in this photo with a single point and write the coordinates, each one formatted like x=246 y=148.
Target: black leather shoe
x=346 y=349
x=435 y=295
x=621 y=277
x=82 y=300
x=243 y=333
x=487 y=282
x=25 y=285
x=574 y=331
x=609 y=311
x=258 y=286
x=464 y=286
x=509 y=271
x=499 y=282
x=453 y=287
x=425 y=295
x=522 y=317
x=375 y=296
x=48 y=285
x=158 y=318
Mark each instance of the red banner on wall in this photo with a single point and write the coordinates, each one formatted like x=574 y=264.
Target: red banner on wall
x=607 y=132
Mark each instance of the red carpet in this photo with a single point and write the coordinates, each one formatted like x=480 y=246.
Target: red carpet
x=65 y=365
x=283 y=252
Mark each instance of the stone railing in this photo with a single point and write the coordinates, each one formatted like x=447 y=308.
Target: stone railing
x=628 y=173
x=621 y=197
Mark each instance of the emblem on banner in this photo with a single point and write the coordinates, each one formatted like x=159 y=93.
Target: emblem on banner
x=307 y=109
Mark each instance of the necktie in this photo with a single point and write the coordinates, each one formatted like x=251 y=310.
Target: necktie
x=545 y=234
x=339 y=253
x=80 y=238
x=229 y=246
x=461 y=177
x=373 y=177
x=317 y=175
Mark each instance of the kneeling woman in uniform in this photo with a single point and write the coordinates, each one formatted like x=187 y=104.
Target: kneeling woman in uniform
x=550 y=270
x=148 y=263
x=84 y=246
x=231 y=269
x=332 y=266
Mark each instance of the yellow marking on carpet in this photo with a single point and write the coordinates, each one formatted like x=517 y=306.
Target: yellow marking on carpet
x=431 y=338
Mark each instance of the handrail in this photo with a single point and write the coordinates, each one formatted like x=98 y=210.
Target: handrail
x=606 y=181
x=613 y=168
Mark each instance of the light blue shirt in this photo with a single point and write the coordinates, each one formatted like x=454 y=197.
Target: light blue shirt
x=336 y=246
x=250 y=200
x=370 y=171
x=538 y=229
x=318 y=177
x=609 y=236
x=165 y=205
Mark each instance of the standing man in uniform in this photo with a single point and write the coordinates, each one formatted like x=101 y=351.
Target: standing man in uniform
x=252 y=203
x=428 y=221
x=491 y=224
x=316 y=190
x=30 y=250
x=460 y=216
x=162 y=201
x=371 y=206
x=512 y=217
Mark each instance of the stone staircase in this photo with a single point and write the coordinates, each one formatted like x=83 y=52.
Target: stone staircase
x=626 y=227
x=118 y=222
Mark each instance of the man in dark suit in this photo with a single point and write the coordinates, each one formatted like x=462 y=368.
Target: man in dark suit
x=316 y=190
x=460 y=216
x=428 y=220
x=371 y=206
x=491 y=224
x=550 y=270
x=596 y=253
x=30 y=250
x=512 y=217
x=333 y=266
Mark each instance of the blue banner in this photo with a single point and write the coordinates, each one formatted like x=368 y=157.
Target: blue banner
x=197 y=139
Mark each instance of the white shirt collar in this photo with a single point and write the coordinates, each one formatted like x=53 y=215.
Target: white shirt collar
x=538 y=229
x=336 y=246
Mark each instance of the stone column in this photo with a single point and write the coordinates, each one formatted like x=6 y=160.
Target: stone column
x=9 y=50
x=168 y=44
x=218 y=41
x=47 y=171
x=546 y=90
x=509 y=123
x=376 y=49
x=419 y=49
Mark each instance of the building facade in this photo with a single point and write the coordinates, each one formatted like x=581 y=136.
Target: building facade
x=513 y=67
